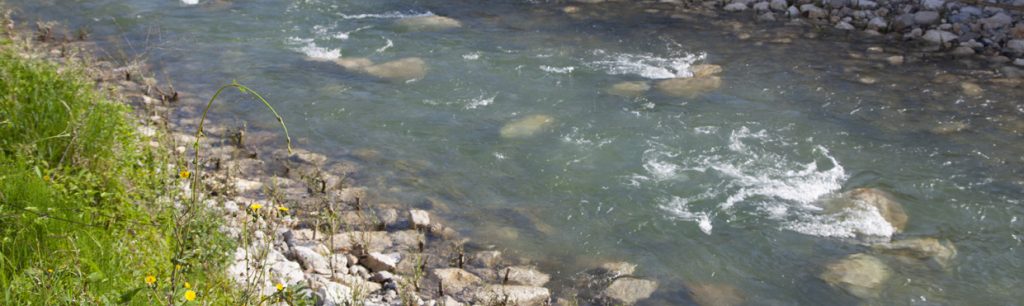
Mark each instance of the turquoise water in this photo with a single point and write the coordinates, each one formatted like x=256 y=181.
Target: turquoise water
x=720 y=187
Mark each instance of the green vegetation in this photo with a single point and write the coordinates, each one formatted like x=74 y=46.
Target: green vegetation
x=87 y=207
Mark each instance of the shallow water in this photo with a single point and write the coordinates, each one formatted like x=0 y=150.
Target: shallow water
x=716 y=188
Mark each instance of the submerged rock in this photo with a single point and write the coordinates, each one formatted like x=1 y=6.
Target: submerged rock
x=923 y=249
x=689 y=87
x=354 y=63
x=429 y=23
x=862 y=203
x=629 y=89
x=628 y=290
x=716 y=295
x=406 y=69
x=861 y=275
x=616 y=269
x=971 y=89
x=705 y=70
x=527 y=126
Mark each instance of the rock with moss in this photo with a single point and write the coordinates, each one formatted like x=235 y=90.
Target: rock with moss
x=526 y=126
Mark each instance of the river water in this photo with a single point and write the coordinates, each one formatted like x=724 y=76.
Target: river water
x=720 y=187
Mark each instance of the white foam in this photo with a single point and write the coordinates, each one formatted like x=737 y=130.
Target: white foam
x=646 y=65
x=559 y=70
x=864 y=220
x=312 y=50
x=387 y=45
x=755 y=170
x=190 y=2
x=386 y=15
x=679 y=209
x=471 y=56
x=480 y=101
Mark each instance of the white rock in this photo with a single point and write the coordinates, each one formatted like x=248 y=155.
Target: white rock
x=335 y=294
x=1015 y=46
x=843 y=25
x=939 y=37
x=735 y=7
x=513 y=295
x=778 y=5
x=311 y=260
x=381 y=262
x=933 y=4
x=420 y=218
x=878 y=23
x=761 y=7
x=287 y=272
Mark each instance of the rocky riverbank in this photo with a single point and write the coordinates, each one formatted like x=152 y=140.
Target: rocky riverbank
x=304 y=226
x=992 y=29
x=305 y=231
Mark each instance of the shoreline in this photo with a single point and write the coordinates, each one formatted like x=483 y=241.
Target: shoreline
x=316 y=186
x=372 y=253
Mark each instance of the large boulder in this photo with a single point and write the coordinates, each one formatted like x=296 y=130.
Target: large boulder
x=629 y=290
x=526 y=126
x=428 y=23
x=707 y=294
x=311 y=260
x=860 y=275
x=887 y=206
x=381 y=262
x=929 y=250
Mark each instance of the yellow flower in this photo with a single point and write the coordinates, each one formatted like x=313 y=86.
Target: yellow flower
x=150 y=280
x=255 y=207
x=279 y=286
x=190 y=295
x=177 y=267
x=49 y=271
x=187 y=285
x=46 y=178
x=282 y=208
x=184 y=174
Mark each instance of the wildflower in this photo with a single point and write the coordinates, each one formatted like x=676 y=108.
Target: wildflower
x=49 y=271
x=46 y=178
x=177 y=267
x=150 y=280
x=255 y=207
x=279 y=286
x=187 y=285
x=184 y=174
x=282 y=208
x=190 y=295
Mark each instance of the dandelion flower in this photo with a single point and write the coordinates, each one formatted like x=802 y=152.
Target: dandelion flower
x=255 y=207
x=46 y=178
x=282 y=208
x=150 y=280
x=190 y=295
x=184 y=174
x=50 y=271
x=279 y=286
x=187 y=285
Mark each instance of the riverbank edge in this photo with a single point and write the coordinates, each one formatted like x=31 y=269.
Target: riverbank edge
x=278 y=205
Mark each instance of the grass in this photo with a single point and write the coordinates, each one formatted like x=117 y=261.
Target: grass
x=87 y=208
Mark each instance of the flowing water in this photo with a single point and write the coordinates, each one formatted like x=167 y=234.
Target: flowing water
x=721 y=187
